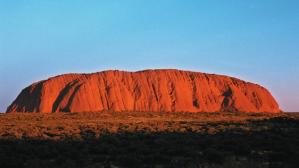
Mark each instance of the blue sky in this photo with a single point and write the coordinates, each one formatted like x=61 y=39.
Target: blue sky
x=255 y=40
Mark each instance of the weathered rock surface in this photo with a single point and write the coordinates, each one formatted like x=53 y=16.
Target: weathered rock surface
x=149 y=90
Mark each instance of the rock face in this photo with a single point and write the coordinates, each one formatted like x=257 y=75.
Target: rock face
x=149 y=90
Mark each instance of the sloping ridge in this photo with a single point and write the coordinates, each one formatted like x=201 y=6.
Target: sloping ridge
x=148 y=90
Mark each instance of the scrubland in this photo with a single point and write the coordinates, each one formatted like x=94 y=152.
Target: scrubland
x=144 y=139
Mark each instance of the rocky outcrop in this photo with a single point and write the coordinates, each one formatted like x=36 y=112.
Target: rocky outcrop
x=149 y=90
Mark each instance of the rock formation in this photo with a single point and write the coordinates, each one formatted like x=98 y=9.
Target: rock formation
x=149 y=90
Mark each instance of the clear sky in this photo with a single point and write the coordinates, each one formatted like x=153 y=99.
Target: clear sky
x=255 y=40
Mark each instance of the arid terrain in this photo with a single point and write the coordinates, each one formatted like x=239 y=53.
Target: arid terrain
x=139 y=139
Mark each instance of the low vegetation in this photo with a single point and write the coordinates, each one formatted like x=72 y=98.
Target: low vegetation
x=139 y=139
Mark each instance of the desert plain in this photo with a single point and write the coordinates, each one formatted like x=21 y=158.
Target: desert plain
x=149 y=139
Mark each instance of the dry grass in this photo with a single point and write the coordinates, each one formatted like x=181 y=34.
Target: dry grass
x=58 y=126
x=139 y=139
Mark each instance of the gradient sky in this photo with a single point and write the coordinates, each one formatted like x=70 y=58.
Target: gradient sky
x=255 y=40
